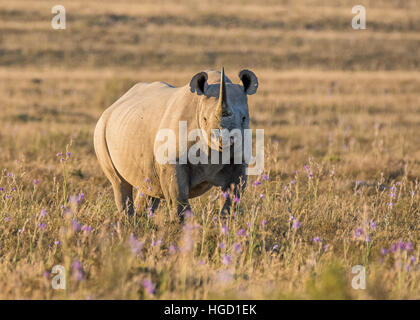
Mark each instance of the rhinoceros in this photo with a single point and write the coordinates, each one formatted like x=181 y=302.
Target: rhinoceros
x=125 y=134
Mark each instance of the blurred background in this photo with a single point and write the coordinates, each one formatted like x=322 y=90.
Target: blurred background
x=323 y=85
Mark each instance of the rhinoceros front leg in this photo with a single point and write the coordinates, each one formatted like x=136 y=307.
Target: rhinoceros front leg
x=144 y=201
x=174 y=181
x=227 y=191
x=234 y=188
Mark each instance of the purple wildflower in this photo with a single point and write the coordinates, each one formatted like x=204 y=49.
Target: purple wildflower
x=262 y=196
x=256 y=183
x=265 y=177
x=156 y=243
x=43 y=213
x=241 y=233
x=225 y=195
x=135 y=245
x=76 y=225
x=87 y=229
x=316 y=239
x=237 y=248
x=36 y=181
x=236 y=200
x=172 y=249
x=149 y=286
x=401 y=245
x=308 y=171
x=296 y=224
x=74 y=199
x=42 y=226
x=225 y=230
x=373 y=225
x=188 y=214
x=358 y=232
x=226 y=259
x=392 y=192
x=384 y=251
x=77 y=271
x=409 y=246
x=264 y=222
x=57 y=242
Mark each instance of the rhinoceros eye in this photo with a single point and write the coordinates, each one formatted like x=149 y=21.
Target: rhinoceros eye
x=243 y=119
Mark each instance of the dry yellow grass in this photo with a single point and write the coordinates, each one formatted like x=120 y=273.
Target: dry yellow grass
x=344 y=103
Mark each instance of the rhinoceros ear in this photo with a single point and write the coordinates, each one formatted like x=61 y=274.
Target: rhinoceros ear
x=249 y=80
x=199 y=83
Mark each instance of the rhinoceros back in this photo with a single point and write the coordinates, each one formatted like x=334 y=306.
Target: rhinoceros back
x=131 y=126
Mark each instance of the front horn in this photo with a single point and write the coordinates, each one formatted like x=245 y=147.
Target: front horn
x=222 y=106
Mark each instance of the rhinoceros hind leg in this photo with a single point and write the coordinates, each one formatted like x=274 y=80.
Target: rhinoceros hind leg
x=123 y=193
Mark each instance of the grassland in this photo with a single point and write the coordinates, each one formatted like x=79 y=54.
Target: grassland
x=341 y=114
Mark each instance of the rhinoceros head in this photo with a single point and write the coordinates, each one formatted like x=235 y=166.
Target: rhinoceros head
x=223 y=104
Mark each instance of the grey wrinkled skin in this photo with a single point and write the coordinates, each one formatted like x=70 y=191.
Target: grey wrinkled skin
x=125 y=135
